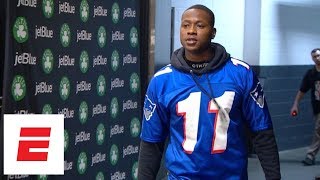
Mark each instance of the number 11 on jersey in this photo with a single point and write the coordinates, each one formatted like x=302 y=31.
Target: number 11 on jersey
x=190 y=110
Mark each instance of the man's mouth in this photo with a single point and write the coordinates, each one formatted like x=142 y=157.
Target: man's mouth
x=191 y=41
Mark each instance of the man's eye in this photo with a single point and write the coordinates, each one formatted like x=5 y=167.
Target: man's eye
x=200 y=26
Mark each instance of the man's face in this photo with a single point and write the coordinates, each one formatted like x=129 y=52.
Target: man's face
x=196 y=30
x=316 y=57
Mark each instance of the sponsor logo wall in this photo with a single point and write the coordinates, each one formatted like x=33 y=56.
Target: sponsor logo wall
x=79 y=58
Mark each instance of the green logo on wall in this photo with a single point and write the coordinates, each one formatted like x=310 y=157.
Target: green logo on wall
x=47 y=109
x=64 y=89
x=83 y=112
x=100 y=134
x=18 y=88
x=100 y=176
x=84 y=61
x=115 y=60
x=82 y=163
x=66 y=140
x=114 y=107
x=102 y=36
x=135 y=127
x=101 y=85
x=134 y=171
x=115 y=13
x=134 y=37
x=134 y=82
x=114 y=154
x=65 y=35
x=42 y=177
x=20 y=30
x=84 y=11
x=47 y=8
x=47 y=61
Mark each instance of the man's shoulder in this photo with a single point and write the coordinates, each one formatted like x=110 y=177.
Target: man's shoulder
x=164 y=71
x=162 y=75
x=238 y=65
x=311 y=71
x=237 y=62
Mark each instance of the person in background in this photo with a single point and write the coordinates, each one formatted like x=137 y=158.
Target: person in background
x=311 y=81
x=202 y=101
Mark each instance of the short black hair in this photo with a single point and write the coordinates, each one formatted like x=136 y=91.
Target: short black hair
x=202 y=7
x=314 y=50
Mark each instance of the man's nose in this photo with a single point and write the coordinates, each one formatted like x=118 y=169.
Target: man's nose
x=192 y=29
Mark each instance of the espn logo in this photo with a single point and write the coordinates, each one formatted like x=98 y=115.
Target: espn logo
x=33 y=144
x=24 y=153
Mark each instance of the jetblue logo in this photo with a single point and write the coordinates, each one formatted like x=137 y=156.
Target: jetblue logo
x=129 y=150
x=99 y=61
x=83 y=35
x=68 y=113
x=82 y=137
x=66 y=60
x=28 y=3
x=42 y=88
x=118 y=175
x=129 y=13
x=117 y=83
x=116 y=129
x=99 y=109
x=65 y=7
x=25 y=59
x=129 y=59
x=117 y=36
x=22 y=111
x=98 y=158
x=68 y=166
x=129 y=104
x=83 y=86
x=99 y=11
x=43 y=32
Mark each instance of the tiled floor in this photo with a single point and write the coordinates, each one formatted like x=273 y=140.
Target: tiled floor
x=291 y=166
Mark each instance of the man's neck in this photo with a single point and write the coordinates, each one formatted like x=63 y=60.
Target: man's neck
x=197 y=65
x=199 y=57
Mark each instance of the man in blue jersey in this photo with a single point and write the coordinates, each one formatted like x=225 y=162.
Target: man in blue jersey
x=202 y=101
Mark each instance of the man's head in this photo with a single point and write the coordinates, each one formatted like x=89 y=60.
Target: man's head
x=197 y=29
x=315 y=54
x=204 y=8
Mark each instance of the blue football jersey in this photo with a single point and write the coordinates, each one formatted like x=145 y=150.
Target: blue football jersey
x=206 y=136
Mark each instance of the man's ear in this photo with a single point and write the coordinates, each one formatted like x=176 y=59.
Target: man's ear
x=213 y=33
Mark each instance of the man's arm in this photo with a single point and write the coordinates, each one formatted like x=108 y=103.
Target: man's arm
x=149 y=160
x=296 y=102
x=267 y=150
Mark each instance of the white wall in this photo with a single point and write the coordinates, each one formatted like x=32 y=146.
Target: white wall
x=290 y=29
x=230 y=25
x=260 y=32
x=162 y=32
x=251 y=40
